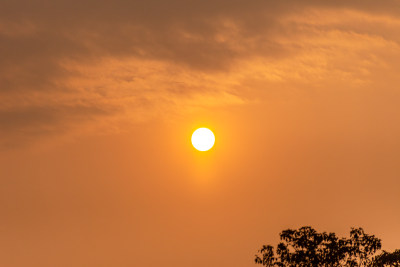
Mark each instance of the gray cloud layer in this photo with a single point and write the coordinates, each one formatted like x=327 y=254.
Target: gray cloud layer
x=39 y=38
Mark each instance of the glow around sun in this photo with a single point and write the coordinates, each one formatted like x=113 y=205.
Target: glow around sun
x=203 y=139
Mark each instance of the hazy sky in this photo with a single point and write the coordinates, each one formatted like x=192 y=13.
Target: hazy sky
x=99 y=100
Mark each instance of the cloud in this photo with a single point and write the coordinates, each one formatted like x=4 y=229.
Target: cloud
x=25 y=125
x=65 y=63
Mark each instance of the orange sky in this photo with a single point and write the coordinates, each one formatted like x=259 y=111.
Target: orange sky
x=99 y=100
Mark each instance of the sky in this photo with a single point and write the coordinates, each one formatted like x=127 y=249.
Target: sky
x=98 y=101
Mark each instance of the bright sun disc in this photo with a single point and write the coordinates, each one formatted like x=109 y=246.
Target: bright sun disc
x=203 y=139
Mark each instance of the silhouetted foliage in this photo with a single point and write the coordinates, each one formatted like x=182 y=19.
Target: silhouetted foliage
x=306 y=247
x=388 y=259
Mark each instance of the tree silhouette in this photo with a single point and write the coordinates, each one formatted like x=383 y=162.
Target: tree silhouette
x=306 y=247
x=388 y=259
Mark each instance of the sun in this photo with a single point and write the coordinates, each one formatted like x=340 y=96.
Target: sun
x=203 y=139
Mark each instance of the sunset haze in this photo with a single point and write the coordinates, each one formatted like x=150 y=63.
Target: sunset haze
x=99 y=100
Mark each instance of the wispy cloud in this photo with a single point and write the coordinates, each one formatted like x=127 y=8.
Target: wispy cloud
x=65 y=64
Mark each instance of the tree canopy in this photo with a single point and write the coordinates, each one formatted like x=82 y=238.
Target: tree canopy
x=307 y=247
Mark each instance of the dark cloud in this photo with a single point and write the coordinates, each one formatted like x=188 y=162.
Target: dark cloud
x=37 y=38
x=23 y=125
x=178 y=31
